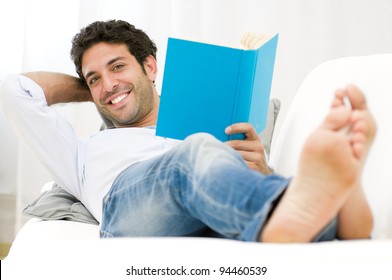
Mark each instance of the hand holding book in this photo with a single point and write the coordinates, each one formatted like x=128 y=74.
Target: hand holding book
x=208 y=87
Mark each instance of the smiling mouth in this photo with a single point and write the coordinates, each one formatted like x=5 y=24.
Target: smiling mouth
x=119 y=98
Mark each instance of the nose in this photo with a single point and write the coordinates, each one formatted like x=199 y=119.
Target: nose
x=110 y=83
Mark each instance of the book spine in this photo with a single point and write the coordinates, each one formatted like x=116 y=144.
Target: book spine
x=244 y=90
x=263 y=75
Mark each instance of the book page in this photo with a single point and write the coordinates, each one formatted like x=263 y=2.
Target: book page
x=252 y=41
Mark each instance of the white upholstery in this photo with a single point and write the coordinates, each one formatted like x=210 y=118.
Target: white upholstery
x=36 y=255
x=373 y=75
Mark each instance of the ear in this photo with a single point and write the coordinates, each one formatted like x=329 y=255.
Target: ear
x=151 y=67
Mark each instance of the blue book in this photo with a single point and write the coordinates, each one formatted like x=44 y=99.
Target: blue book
x=209 y=87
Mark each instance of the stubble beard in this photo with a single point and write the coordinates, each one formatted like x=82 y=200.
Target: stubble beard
x=135 y=110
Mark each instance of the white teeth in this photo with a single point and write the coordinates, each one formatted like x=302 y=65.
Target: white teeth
x=118 y=99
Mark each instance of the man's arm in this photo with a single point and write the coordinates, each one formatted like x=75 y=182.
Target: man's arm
x=60 y=88
x=43 y=129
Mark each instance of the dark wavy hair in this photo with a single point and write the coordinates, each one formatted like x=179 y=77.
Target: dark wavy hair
x=112 y=31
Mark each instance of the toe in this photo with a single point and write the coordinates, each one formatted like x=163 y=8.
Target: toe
x=357 y=98
x=337 y=119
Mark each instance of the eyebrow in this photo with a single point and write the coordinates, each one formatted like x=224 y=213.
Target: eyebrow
x=110 y=62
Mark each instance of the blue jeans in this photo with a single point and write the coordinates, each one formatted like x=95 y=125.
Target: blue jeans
x=201 y=187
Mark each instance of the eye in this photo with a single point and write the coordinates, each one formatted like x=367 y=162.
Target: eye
x=93 y=80
x=118 y=67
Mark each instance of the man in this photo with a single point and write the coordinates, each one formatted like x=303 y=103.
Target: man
x=137 y=184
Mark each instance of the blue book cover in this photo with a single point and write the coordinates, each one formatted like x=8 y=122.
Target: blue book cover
x=209 y=87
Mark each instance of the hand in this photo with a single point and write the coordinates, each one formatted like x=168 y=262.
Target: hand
x=251 y=148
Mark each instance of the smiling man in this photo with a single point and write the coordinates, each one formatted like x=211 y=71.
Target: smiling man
x=138 y=184
x=119 y=86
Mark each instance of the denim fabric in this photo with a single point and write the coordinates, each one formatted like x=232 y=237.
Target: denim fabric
x=328 y=233
x=199 y=186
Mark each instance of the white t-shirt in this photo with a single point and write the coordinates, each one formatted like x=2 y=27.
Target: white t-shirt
x=85 y=168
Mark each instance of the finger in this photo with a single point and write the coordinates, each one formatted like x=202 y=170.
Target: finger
x=251 y=157
x=244 y=145
x=252 y=165
x=245 y=128
x=259 y=167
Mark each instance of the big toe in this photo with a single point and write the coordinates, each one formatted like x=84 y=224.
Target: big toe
x=357 y=98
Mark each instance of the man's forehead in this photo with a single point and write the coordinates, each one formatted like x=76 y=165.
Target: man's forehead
x=103 y=55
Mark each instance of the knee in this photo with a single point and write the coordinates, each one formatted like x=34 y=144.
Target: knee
x=201 y=137
x=202 y=141
x=205 y=147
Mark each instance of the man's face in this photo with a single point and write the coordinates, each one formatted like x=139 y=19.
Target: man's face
x=121 y=90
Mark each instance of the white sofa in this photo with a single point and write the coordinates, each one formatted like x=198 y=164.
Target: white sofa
x=64 y=250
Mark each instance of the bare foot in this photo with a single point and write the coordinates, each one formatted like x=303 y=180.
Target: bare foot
x=328 y=174
x=355 y=219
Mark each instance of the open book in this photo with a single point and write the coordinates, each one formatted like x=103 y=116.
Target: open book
x=209 y=87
